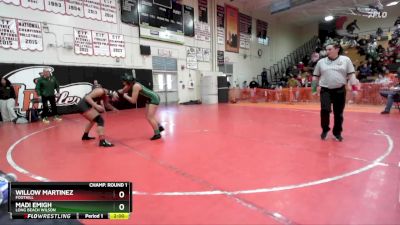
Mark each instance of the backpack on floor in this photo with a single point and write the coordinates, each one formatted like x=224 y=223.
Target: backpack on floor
x=32 y=115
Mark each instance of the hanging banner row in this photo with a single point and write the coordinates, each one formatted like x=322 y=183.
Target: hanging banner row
x=28 y=35
x=87 y=42
x=20 y=34
x=234 y=29
x=103 y=10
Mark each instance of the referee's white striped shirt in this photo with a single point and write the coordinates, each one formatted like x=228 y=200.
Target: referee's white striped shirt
x=334 y=73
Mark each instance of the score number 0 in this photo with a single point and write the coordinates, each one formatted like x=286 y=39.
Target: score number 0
x=121 y=206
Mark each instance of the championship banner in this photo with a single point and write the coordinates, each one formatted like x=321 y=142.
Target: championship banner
x=220 y=24
x=14 y=2
x=100 y=43
x=203 y=14
x=74 y=8
x=232 y=29
x=245 y=30
x=109 y=11
x=33 y=4
x=117 y=45
x=8 y=33
x=30 y=35
x=55 y=6
x=92 y=9
x=83 y=42
x=103 y=10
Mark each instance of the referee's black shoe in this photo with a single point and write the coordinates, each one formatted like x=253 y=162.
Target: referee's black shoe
x=338 y=137
x=324 y=134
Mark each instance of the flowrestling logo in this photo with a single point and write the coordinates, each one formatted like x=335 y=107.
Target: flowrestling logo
x=371 y=13
x=24 y=82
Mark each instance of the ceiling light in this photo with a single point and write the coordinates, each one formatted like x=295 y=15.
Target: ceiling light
x=392 y=3
x=328 y=18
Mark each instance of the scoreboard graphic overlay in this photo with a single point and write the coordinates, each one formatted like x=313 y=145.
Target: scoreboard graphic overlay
x=70 y=200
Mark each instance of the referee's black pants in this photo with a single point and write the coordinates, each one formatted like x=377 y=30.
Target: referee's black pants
x=336 y=97
x=52 y=100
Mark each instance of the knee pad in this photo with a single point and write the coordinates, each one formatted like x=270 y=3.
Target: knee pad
x=99 y=120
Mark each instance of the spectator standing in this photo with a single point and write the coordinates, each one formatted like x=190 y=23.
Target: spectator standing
x=45 y=87
x=7 y=101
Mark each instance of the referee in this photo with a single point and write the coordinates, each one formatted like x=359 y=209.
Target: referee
x=333 y=72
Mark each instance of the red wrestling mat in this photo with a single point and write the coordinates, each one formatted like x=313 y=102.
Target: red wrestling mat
x=225 y=164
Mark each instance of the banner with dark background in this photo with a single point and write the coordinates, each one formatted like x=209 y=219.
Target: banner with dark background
x=262 y=28
x=188 y=20
x=75 y=83
x=203 y=13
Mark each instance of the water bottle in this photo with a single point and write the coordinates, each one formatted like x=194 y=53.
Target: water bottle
x=4 y=180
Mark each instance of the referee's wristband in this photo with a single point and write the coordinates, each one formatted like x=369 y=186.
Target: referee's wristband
x=314 y=86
